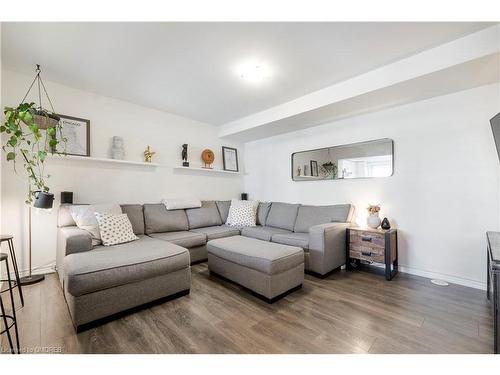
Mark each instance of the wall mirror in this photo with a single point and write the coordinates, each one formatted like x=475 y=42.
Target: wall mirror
x=358 y=160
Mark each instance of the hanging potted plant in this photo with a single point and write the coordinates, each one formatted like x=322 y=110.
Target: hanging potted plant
x=26 y=143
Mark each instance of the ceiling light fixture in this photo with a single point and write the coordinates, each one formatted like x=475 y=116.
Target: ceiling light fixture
x=254 y=72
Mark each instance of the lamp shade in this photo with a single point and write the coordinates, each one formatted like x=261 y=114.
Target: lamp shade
x=43 y=200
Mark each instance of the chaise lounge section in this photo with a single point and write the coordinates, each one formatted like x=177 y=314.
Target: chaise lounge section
x=100 y=281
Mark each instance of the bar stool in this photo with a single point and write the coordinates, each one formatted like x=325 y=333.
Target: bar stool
x=17 y=283
x=9 y=321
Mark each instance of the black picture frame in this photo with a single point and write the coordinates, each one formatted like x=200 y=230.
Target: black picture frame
x=314 y=168
x=86 y=142
x=227 y=167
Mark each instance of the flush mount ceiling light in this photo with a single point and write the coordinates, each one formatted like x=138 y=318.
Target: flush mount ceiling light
x=254 y=72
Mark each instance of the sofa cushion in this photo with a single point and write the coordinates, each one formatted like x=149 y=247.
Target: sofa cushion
x=267 y=257
x=292 y=239
x=223 y=207
x=242 y=213
x=158 y=219
x=135 y=215
x=262 y=212
x=107 y=267
x=309 y=216
x=184 y=238
x=282 y=215
x=115 y=229
x=205 y=216
x=64 y=218
x=84 y=217
x=218 y=231
x=262 y=233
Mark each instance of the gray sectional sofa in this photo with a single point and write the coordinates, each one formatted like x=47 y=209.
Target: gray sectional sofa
x=101 y=281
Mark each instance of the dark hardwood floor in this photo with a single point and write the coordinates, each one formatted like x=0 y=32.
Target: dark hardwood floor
x=348 y=312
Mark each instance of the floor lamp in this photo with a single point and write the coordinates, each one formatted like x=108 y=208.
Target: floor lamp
x=45 y=201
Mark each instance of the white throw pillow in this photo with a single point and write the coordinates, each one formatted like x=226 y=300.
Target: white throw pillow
x=242 y=213
x=115 y=229
x=85 y=219
x=181 y=203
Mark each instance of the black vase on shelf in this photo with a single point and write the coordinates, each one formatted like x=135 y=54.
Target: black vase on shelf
x=66 y=197
x=385 y=224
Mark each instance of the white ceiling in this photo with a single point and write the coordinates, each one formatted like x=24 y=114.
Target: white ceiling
x=188 y=68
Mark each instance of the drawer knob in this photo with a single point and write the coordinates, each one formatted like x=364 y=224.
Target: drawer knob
x=366 y=253
x=366 y=238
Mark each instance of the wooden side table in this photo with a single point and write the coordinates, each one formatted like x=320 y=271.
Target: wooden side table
x=366 y=246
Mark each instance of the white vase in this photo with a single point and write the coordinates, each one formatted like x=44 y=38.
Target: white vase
x=373 y=221
x=117 y=150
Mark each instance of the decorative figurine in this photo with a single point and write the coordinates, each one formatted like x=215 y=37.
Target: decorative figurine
x=185 y=162
x=298 y=171
x=385 y=224
x=208 y=158
x=148 y=155
x=117 y=151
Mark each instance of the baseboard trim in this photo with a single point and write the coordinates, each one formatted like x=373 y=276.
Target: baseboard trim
x=51 y=268
x=450 y=278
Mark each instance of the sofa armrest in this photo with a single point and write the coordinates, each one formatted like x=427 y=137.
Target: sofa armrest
x=74 y=240
x=71 y=240
x=327 y=247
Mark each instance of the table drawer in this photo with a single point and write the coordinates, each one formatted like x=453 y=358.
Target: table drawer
x=366 y=255
x=367 y=239
x=367 y=248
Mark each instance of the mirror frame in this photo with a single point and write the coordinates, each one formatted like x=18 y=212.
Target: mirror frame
x=347 y=144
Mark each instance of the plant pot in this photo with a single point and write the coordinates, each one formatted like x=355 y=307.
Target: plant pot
x=44 y=119
x=43 y=200
x=373 y=221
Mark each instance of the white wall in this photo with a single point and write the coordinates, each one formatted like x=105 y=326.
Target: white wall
x=98 y=182
x=444 y=193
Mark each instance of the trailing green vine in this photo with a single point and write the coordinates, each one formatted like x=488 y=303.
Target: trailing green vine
x=26 y=141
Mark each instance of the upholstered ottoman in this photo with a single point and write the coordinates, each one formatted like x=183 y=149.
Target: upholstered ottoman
x=269 y=269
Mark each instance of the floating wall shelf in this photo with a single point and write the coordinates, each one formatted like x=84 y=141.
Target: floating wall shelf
x=101 y=160
x=208 y=170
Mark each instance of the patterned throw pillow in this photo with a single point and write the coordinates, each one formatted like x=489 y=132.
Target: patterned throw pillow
x=242 y=213
x=115 y=229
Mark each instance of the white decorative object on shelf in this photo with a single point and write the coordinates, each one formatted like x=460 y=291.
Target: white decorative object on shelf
x=117 y=150
x=100 y=160
x=208 y=170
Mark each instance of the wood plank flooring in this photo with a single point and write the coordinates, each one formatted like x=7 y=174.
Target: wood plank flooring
x=348 y=312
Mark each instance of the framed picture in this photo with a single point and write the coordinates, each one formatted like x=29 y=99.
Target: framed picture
x=314 y=168
x=77 y=133
x=230 y=159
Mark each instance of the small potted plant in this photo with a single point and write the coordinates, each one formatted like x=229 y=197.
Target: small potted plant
x=373 y=219
x=329 y=170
